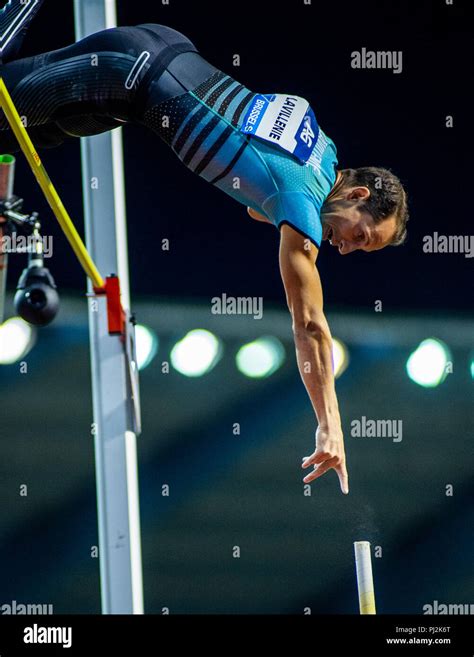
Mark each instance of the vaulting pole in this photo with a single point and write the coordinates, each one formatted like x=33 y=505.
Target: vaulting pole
x=47 y=186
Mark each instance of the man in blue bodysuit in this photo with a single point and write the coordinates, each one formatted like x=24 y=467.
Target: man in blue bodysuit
x=267 y=151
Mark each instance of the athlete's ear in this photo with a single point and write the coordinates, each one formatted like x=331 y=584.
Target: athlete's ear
x=358 y=193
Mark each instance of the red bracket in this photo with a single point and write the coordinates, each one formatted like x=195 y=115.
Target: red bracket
x=115 y=313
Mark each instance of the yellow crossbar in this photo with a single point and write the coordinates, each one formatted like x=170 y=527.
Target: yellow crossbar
x=48 y=188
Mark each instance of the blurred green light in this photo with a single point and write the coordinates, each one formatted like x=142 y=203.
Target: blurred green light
x=426 y=366
x=340 y=357
x=197 y=353
x=260 y=358
x=146 y=344
x=17 y=337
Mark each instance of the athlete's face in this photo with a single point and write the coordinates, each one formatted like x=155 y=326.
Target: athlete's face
x=349 y=228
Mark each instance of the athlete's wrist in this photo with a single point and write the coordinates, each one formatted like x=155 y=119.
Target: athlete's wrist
x=331 y=421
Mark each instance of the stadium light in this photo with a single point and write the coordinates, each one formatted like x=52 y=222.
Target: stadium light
x=147 y=345
x=340 y=357
x=197 y=353
x=426 y=366
x=17 y=337
x=260 y=358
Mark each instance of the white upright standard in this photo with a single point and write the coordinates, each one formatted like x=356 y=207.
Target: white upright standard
x=114 y=410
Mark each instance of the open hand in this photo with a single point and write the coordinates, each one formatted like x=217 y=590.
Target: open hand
x=329 y=454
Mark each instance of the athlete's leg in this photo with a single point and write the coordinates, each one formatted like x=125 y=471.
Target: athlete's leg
x=78 y=91
x=15 y=19
x=46 y=135
x=91 y=86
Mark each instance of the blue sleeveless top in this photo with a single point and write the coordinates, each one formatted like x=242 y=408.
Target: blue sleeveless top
x=202 y=126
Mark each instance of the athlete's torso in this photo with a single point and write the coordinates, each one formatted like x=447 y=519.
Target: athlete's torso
x=154 y=75
x=204 y=128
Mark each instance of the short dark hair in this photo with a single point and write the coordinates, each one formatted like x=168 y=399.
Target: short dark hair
x=387 y=196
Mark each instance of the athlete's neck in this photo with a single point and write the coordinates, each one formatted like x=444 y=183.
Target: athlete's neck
x=336 y=187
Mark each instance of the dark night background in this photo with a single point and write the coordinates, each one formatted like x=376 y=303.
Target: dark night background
x=375 y=117
x=296 y=550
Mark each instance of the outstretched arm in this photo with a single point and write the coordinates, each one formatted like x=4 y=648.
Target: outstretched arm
x=313 y=344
